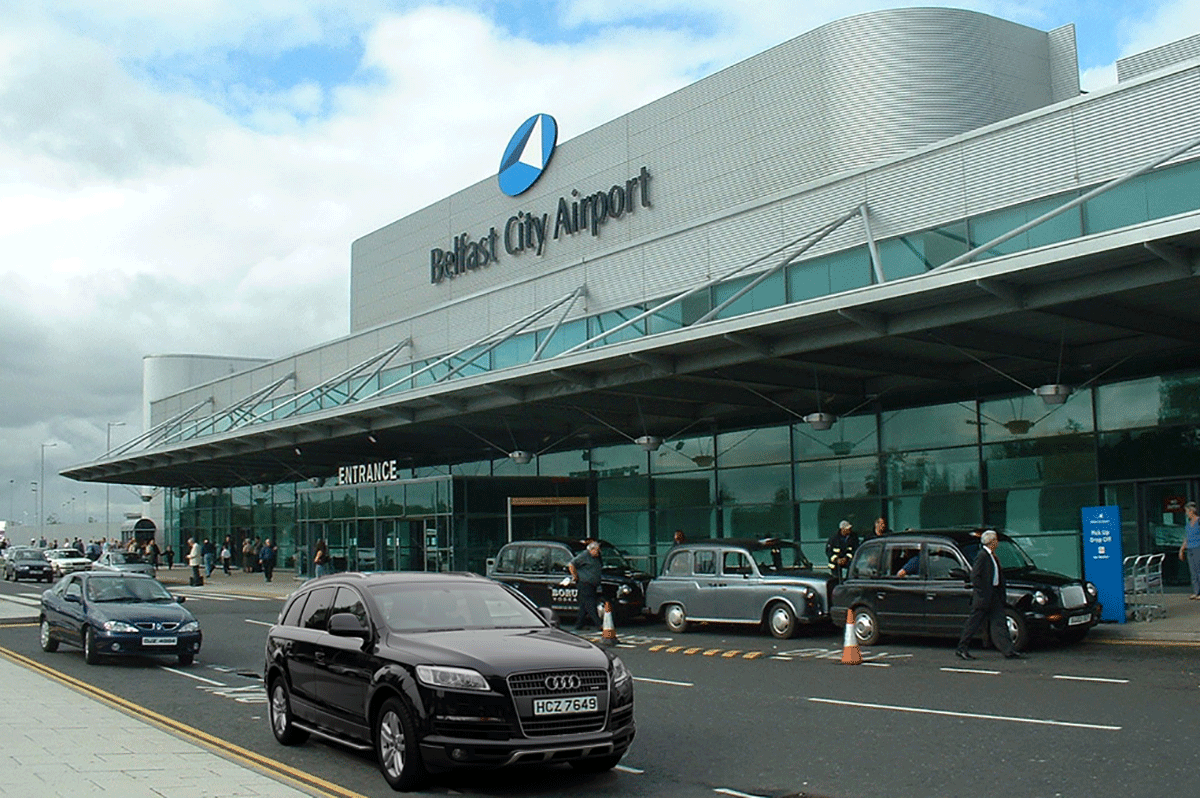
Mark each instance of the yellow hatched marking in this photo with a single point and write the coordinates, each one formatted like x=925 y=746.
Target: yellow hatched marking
x=673 y=649
x=712 y=651
x=693 y=650
x=731 y=654
x=752 y=655
x=659 y=647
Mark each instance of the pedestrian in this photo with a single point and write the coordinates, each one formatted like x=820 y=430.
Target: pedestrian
x=881 y=527
x=247 y=554
x=266 y=558
x=840 y=547
x=321 y=559
x=1191 y=545
x=987 y=601
x=153 y=552
x=226 y=556
x=195 y=558
x=210 y=557
x=586 y=570
x=170 y=555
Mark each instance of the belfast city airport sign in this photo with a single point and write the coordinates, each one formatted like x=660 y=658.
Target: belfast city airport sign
x=524 y=161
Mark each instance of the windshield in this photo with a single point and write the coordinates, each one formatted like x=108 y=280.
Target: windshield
x=780 y=557
x=470 y=605
x=119 y=557
x=35 y=556
x=121 y=589
x=63 y=554
x=611 y=557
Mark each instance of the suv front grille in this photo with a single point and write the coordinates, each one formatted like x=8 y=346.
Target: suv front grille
x=533 y=685
x=526 y=688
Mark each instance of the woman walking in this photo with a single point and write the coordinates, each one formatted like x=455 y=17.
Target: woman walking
x=1189 y=550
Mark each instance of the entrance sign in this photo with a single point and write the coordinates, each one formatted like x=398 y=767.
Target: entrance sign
x=1102 y=561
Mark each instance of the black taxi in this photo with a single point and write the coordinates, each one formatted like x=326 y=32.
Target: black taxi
x=538 y=568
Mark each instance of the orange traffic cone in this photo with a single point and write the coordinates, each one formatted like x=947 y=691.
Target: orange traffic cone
x=850 y=652
x=608 y=635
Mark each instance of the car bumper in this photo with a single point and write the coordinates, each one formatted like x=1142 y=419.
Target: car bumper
x=447 y=753
x=125 y=644
x=1058 y=621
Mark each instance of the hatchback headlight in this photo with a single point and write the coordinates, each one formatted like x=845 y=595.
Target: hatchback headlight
x=190 y=626
x=620 y=674
x=119 y=626
x=447 y=678
x=1040 y=598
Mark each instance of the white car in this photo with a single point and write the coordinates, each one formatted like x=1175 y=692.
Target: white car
x=66 y=561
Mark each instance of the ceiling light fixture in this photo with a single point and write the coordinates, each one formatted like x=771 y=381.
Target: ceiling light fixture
x=520 y=456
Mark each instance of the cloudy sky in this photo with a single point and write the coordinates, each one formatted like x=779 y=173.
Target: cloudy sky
x=187 y=177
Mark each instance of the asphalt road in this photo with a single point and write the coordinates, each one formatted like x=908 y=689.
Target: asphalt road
x=730 y=711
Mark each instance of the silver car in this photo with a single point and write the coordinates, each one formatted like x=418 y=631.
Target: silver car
x=762 y=582
x=125 y=562
x=66 y=561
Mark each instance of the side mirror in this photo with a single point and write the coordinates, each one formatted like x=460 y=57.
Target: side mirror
x=180 y=599
x=959 y=573
x=347 y=624
x=549 y=615
x=73 y=598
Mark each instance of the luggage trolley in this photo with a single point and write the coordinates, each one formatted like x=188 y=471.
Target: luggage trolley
x=1145 y=599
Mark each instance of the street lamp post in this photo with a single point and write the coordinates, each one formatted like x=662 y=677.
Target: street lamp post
x=42 y=494
x=12 y=501
x=107 y=487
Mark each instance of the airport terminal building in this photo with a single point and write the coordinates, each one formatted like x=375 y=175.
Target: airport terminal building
x=899 y=265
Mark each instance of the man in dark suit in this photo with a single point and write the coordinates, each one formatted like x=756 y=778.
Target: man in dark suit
x=987 y=601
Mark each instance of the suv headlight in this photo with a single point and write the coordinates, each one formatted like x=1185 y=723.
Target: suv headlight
x=118 y=626
x=1040 y=598
x=190 y=626
x=620 y=674
x=445 y=677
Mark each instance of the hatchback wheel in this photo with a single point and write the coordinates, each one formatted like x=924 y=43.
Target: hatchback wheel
x=279 y=708
x=396 y=746
x=90 y=655
x=48 y=642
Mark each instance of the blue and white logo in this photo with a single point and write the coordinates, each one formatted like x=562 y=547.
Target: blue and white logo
x=527 y=154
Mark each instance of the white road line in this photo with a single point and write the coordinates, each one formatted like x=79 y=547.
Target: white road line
x=627 y=769
x=260 y=623
x=1090 y=679
x=25 y=602
x=980 y=671
x=974 y=715
x=193 y=676
x=662 y=681
x=877 y=664
x=735 y=793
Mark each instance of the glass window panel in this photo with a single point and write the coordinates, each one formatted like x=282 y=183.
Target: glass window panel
x=627 y=531
x=507 y=467
x=770 y=293
x=389 y=500
x=394 y=380
x=478 y=468
x=607 y=321
x=684 y=490
x=989 y=226
x=819 y=520
x=681 y=313
x=1027 y=416
x=1118 y=207
x=421 y=498
x=697 y=523
x=758 y=521
x=933 y=425
x=808 y=279
x=563 y=464
x=624 y=459
x=569 y=334
x=1171 y=191
x=932 y=471
x=345 y=503
x=756 y=485
x=1040 y=461
x=850 y=435
x=837 y=479
x=685 y=454
x=515 y=351
x=850 y=269
x=1149 y=453
x=1172 y=399
x=752 y=447
x=623 y=493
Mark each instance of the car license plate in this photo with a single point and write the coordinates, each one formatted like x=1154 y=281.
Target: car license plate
x=1075 y=620
x=563 y=706
x=159 y=641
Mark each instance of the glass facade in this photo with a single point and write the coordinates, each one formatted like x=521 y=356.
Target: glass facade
x=1010 y=462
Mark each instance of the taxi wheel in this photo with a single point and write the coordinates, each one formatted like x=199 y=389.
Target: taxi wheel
x=781 y=620
x=1017 y=629
x=676 y=618
x=49 y=644
x=279 y=710
x=866 y=627
x=396 y=746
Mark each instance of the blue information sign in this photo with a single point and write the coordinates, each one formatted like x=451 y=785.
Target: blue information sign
x=1102 y=561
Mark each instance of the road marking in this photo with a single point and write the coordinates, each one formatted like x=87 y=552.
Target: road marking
x=735 y=793
x=712 y=651
x=973 y=715
x=673 y=649
x=193 y=676
x=662 y=681
x=877 y=664
x=980 y=671
x=752 y=655
x=731 y=654
x=260 y=623
x=28 y=602
x=693 y=650
x=627 y=769
x=1090 y=679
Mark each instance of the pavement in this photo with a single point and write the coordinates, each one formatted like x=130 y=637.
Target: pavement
x=60 y=738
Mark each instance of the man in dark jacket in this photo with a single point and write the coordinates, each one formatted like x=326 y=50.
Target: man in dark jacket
x=987 y=601
x=840 y=548
x=266 y=558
